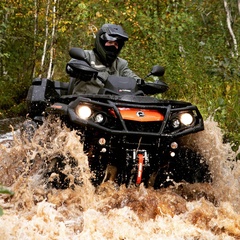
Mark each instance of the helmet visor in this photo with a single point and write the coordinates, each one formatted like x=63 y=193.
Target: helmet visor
x=107 y=37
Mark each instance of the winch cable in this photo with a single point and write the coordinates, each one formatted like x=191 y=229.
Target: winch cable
x=140 y=168
x=140 y=163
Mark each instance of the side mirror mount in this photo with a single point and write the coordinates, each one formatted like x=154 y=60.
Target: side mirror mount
x=156 y=87
x=157 y=71
x=78 y=53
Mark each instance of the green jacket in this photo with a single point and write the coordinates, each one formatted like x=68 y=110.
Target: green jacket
x=118 y=68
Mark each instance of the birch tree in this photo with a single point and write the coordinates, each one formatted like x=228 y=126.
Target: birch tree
x=35 y=33
x=50 y=31
x=239 y=6
x=51 y=66
x=230 y=29
x=46 y=38
x=4 y=14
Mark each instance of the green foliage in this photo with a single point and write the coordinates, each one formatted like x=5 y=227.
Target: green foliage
x=190 y=39
x=4 y=191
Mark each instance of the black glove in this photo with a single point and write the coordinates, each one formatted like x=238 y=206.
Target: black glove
x=140 y=82
x=81 y=70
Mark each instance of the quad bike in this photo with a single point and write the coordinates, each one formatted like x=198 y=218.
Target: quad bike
x=129 y=136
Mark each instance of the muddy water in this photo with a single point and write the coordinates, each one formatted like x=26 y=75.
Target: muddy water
x=37 y=211
x=7 y=126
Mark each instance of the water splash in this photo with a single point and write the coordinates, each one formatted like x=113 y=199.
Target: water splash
x=186 y=211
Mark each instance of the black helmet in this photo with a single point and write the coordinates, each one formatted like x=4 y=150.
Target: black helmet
x=109 y=32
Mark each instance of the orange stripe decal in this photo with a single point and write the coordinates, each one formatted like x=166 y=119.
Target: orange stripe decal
x=141 y=115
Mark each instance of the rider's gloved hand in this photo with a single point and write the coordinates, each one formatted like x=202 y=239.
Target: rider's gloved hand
x=81 y=70
x=140 y=82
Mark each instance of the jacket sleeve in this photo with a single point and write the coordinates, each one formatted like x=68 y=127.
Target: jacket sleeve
x=125 y=71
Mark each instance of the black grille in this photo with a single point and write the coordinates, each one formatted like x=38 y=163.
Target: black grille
x=151 y=127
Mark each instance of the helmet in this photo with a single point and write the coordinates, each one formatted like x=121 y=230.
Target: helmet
x=109 y=32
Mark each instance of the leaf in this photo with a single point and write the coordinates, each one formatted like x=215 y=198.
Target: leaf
x=221 y=101
x=1 y=211
x=228 y=87
x=98 y=14
x=5 y=191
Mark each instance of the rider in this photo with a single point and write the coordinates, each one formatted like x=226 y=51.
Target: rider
x=104 y=57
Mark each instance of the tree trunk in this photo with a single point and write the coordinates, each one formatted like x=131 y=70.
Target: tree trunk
x=239 y=7
x=229 y=20
x=46 y=39
x=35 y=33
x=3 y=37
x=51 y=67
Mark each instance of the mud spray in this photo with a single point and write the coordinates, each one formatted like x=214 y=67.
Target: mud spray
x=37 y=211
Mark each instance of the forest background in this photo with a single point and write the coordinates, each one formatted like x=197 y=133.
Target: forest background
x=197 y=41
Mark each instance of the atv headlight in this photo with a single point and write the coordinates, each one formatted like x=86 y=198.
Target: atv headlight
x=176 y=123
x=99 y=118
x=83 y=112
x=186 y=119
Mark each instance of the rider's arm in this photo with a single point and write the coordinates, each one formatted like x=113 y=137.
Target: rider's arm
x=124 y=70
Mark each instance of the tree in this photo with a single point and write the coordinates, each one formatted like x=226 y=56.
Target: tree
x=196 y=41
x=229 y=25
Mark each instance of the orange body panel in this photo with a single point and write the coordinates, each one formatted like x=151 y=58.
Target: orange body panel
x=141 y=115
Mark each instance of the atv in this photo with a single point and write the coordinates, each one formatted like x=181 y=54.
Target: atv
x=129 y=135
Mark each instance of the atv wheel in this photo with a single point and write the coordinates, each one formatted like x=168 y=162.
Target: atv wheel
x=28 y=129
x=191 y=167
x=59 y=177
x=186 y=166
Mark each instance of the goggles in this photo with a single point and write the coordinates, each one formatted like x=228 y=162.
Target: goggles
x=107 y=37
